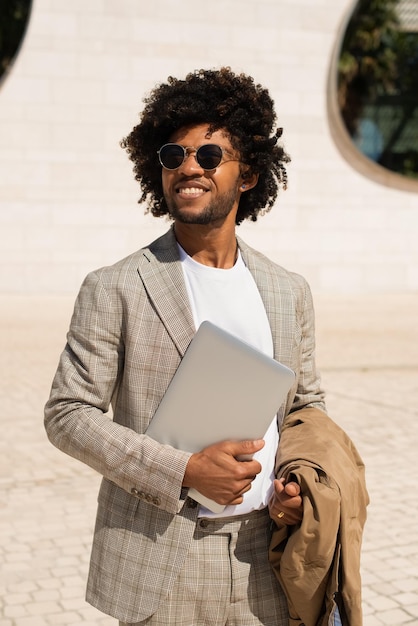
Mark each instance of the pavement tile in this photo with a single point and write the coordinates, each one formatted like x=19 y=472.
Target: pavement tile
x=65 y=618
x=43 y=607
x=406 y=584
x=18 y=599
x=413 y=610
x=15 y=611
x=408 y=599
x=367 y=351
x=385 y=589
x=46 y=595
x=31 y=621
x=396 y=617
x=371 y=620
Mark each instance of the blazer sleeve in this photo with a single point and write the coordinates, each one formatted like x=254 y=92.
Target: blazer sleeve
x=76 y=417
x=309 y=392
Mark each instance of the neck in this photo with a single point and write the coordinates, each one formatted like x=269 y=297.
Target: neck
x=208 y=245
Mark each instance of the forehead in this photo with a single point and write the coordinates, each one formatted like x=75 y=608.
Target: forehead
x=198 y=134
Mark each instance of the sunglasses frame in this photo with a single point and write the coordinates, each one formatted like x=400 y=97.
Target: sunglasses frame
x=187 y=150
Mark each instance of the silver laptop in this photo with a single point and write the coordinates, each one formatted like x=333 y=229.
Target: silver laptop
x=222 y=389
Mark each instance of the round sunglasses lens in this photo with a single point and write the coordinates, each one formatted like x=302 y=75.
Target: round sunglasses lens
x=171 y=156
x=209 y=156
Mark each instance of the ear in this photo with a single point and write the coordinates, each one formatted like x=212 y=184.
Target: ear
x=249 y=181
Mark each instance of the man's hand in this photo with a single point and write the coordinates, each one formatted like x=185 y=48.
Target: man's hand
x=217 y=473
x=285 y=504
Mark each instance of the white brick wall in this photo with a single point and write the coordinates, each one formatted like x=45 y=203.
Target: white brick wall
x=67 y=194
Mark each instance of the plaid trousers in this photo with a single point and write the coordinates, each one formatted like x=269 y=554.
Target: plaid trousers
x=227 y=579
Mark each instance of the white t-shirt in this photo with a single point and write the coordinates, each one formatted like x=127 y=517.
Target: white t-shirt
x=230 y=299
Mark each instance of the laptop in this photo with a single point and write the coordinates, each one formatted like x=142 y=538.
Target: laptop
x=223 y=389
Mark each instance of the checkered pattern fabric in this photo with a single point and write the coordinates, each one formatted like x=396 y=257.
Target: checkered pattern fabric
x=131 y=325
x=226 y=579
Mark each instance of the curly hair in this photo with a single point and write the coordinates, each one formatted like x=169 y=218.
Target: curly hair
x=224 y=101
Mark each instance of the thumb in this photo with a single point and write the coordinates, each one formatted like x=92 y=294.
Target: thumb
x=292 y=489
x=246 y=447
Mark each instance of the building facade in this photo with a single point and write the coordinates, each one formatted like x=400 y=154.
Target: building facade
x=68 y=200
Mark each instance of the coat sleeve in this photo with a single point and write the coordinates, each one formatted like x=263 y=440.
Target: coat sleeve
x=76 y=418
x=302 y=557
x=323 y=459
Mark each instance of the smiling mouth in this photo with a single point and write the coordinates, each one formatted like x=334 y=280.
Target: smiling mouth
x=191 y=191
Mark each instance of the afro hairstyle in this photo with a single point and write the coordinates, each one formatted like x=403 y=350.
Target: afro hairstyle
x=225 y=101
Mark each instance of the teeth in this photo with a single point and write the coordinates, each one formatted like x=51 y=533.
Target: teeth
x=191 y=190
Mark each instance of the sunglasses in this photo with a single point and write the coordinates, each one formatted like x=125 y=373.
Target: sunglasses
x=208 y=156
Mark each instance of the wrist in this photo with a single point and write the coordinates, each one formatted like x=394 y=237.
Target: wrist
x=189 y=472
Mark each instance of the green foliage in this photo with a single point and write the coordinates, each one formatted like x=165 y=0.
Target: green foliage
x=407 y=64
x=368 y=55
x=378 y=80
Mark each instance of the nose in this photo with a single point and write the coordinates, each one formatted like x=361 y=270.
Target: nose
x=190 y=164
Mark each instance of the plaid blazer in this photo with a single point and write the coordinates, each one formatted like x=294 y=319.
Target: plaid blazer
x=131 y=325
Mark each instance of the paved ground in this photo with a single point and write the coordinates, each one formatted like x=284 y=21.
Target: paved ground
x=368 y=353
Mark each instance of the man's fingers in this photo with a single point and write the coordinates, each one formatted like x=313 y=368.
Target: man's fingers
x=279 y=485
x=286 y=503
x=290 y=489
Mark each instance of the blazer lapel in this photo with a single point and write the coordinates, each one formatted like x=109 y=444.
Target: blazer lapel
x=162 y=275
x=277 y=298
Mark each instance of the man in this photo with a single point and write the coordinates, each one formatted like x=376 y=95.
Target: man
x=206 y=154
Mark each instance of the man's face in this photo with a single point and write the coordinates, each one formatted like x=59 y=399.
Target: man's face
x=197 y=196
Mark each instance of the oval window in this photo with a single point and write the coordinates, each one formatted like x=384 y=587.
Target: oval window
x=378 y=83
x=13 y=23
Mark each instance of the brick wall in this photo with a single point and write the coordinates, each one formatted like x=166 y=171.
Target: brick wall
x=67 y=194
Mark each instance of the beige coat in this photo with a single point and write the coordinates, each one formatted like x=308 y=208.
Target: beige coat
x=318 y=562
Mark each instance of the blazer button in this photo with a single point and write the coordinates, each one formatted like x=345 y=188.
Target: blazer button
x=138 y=494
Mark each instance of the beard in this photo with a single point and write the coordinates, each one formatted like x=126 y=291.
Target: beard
x=215 y=211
